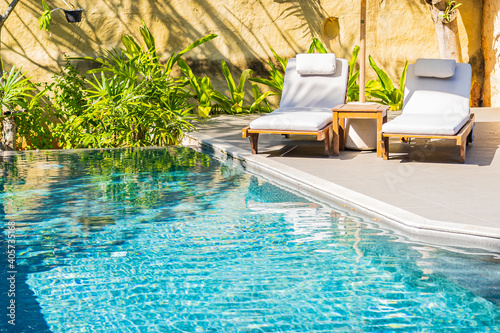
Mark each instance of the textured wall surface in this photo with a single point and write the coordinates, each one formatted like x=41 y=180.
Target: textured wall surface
x=491 y=46
x=397 y=31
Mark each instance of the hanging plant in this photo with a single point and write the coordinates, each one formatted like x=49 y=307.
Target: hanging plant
x=450 y=12
x=73 y=15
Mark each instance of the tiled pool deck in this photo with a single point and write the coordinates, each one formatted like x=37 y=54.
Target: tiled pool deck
x=433 y=199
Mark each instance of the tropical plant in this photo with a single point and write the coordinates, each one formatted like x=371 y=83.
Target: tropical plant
x=383 y=89
x=44 y=124
x=16 y=100
x=174 y=58
x=37 y=126
x=450 y=8
x=68 y=90
x=15 y=88
x=317 y=46
x=234 y=103
x=46 y=18
x=134 y=101
x=353 y=86
x=24 y=103
x=260 y=97
x=202 y=88
x=276 y=76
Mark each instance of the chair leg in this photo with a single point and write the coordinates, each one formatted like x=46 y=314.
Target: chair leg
x=254 y=138
x=462 y=151
x=328 y=145
x=331 y=135
x=385 y=148
x=470 y=137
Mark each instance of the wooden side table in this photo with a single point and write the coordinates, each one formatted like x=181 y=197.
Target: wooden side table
x=358 y=111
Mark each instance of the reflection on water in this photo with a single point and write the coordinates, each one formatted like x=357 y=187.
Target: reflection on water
x=172 y=240
x=95 y=223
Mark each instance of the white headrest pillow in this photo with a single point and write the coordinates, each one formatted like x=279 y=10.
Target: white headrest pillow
x=439 y=68
x=316 y=63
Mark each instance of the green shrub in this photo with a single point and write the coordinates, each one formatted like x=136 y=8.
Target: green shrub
x=18 y=98
x=134 y=101
x=202 y=89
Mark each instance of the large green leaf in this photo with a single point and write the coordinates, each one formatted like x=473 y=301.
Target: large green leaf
x=258 y=99
x=267 y=82
x=193 y=82
x=131 y=45
x=402 y=80
x=311 y=48
x=316 y=45
x=281 y=60
x=243 y=78
x=354 y=57
x=319 y=46
x=148 y=39
x=175 y=57
x=382 y=76
x=229 y=78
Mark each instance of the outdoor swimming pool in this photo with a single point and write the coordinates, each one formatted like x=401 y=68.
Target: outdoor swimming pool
x=171 y=240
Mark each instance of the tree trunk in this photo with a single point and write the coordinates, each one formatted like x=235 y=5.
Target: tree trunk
x=446 y=31
x=9 y=132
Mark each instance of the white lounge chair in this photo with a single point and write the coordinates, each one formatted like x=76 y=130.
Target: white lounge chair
x=436 y=105
x=314 y=83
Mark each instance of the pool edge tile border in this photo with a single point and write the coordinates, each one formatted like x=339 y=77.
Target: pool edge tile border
x=412 y=225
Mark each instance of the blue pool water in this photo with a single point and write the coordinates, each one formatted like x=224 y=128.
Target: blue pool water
x=171 y=240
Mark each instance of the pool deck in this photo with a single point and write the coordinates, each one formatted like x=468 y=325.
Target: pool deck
x=432 y=198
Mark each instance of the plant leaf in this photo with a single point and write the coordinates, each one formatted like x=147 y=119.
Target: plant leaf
x=174 y=58
x=319 y=46
x=131 y=45
x=354 y=57
x=282 y=61
x=148 y=39
x=229 y=78
x=382 y=76
x=402 y=80
x=243 y=78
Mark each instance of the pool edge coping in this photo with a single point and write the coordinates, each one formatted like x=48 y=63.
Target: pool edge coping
x=412 y=225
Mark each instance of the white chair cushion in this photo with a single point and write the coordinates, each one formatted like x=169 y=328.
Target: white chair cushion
x=325 y=91
x=425 y=124
x=438 y=68
x=316 y=63
x=436 y=102
x=294 y=119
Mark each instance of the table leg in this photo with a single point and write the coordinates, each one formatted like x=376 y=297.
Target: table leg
x=342 y=133
x=380 y=122
x=336 y=137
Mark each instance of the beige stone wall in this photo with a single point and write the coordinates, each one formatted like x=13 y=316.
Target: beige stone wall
x=491 y=46
x=398 y=30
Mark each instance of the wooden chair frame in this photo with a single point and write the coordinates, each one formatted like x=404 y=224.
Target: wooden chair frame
x=325 y=134
x=462 y=138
